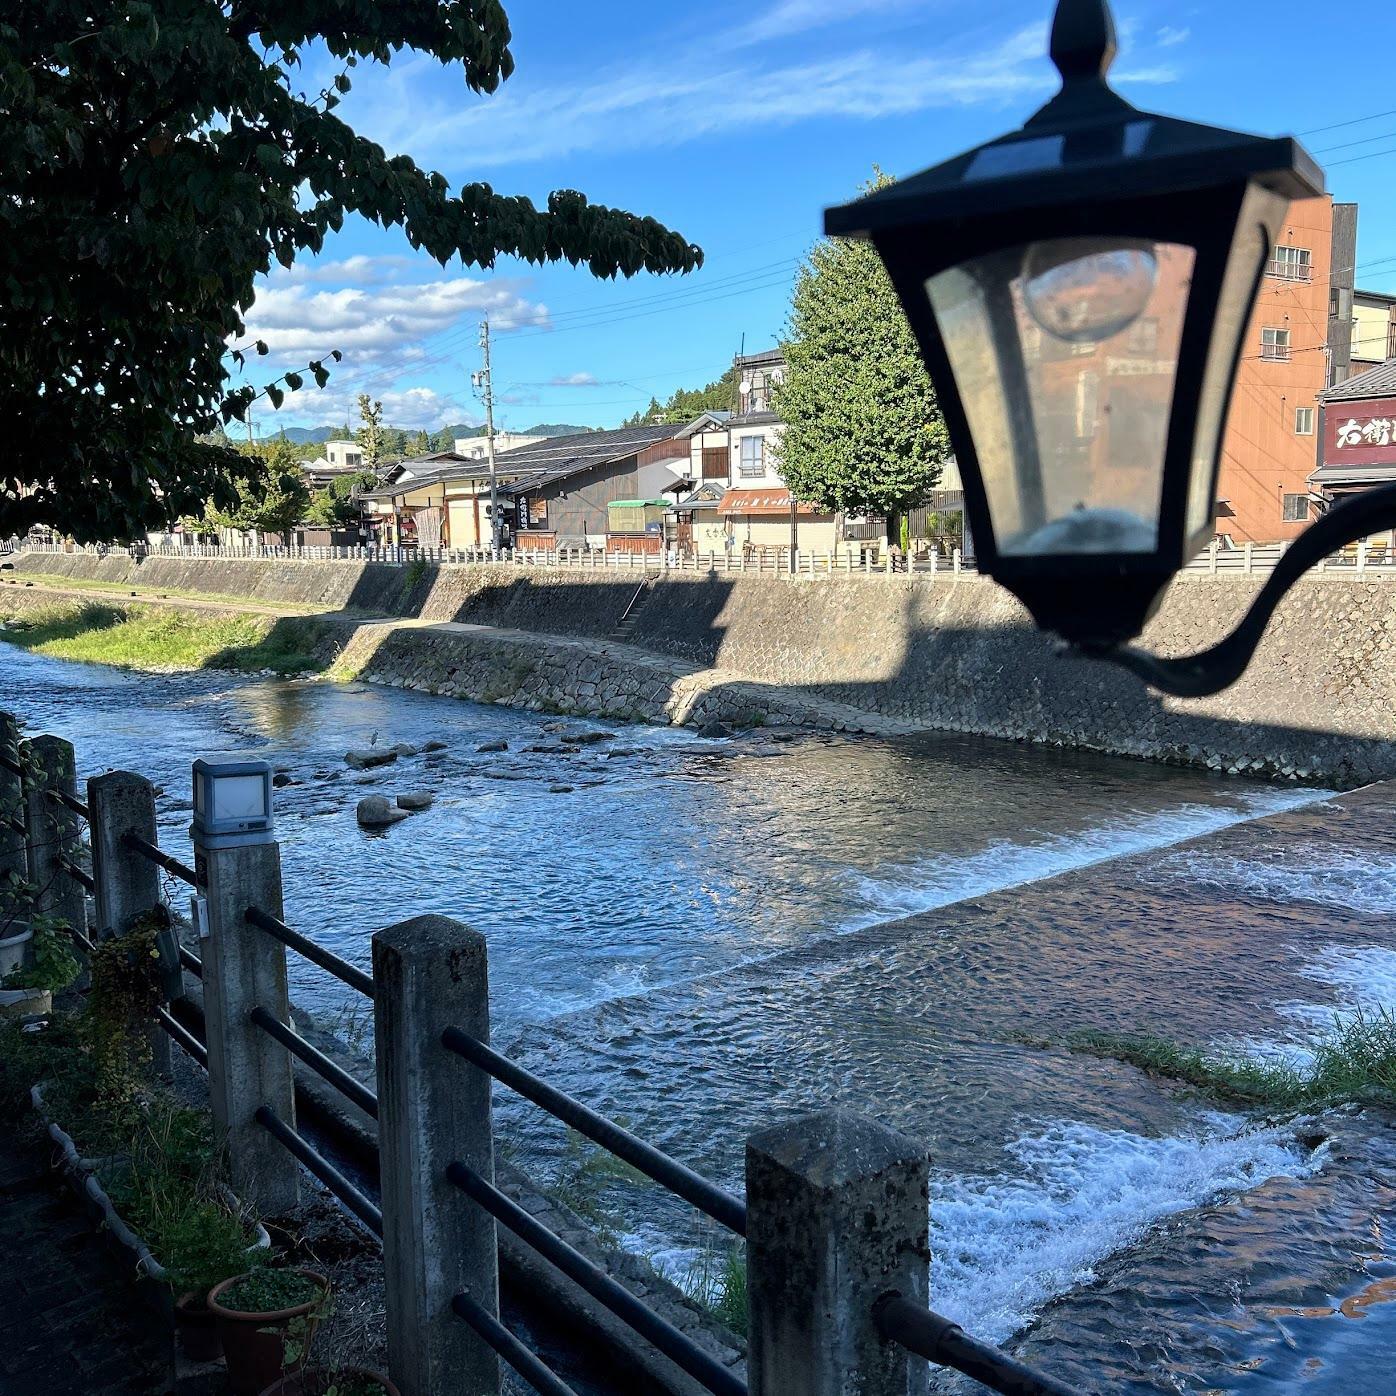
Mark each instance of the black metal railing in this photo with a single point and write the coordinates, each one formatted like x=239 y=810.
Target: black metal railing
x=944 y=1343
x=701 y=1365
x=317 y=1061
x=70 y=802
x=721 y=1206
x=342 y=970
x=310 y=1158
x=526 y=1363
x=181 y=1035
x=79 y=875
x=157 y=855
x=191 y=962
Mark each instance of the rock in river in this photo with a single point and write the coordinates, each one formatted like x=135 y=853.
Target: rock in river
x=492 y=746
x=415 y=800
x=375 y=812
x=371 y=756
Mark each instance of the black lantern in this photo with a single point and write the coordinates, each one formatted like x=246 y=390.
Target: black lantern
x=1080 y=290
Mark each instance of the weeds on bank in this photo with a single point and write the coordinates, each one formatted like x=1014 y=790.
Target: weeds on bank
x=1353 y=1062
x=154 y=638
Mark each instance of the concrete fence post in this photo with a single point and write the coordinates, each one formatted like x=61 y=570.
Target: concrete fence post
x=838 y=1215
x=429 y=974
x=14 y=858
x=957 y=561
x=127 y=885
x=53 y=832
x=245 y=968
x=1250 y=558
x=1361 y=554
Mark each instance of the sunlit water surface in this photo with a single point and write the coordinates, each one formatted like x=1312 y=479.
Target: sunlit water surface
x=702 y=937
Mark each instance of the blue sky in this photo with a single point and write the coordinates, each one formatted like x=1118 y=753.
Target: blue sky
x=736 y=123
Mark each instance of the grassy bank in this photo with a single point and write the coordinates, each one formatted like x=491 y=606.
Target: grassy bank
x=165 y=639
x=1353 y=1062
x=58 y=581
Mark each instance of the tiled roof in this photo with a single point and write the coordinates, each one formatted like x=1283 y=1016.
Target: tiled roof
x=1376 y=382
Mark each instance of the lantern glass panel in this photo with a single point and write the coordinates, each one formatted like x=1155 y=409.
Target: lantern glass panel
x=1065 y=354
x=238 y=797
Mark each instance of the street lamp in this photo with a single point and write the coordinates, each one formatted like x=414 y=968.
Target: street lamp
x=1079 y=290
x=232 y=802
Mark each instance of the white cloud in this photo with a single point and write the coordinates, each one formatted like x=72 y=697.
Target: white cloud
x=367 y=323
x=575 y=380
x=413 y=407
x=783 y=19
x=625 y=108
x=362 y=269
x=1169 y=36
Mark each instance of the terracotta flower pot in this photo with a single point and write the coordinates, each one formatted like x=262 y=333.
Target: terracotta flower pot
x=254 y=1345
x=197 y=1328
x=316 y=1383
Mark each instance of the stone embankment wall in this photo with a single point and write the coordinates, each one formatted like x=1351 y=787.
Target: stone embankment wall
x=959 y=654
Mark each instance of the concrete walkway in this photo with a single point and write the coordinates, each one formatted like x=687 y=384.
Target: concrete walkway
x=72 y=1322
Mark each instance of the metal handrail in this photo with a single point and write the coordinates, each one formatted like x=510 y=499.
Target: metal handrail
x=12 y=766
x=317 y=1164
x=675 y=1345
x=160 y=858
x=317 y=1061
x=70 y=802
x=17 y=826
x=542 y=1379
x=939 y=1340
x=182 y=1035
x=191 y=962
x=354 y=977
x=692 y=1187
x=79 y=875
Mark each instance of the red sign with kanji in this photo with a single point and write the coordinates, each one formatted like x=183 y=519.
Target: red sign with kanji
x=1360 y=433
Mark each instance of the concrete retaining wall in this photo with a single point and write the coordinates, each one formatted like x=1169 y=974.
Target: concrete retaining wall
x=1319 y=701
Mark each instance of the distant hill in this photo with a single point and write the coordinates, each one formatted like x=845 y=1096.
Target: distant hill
x=304 y=436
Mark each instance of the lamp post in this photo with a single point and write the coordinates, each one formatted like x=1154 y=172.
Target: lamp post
x=1079 y=290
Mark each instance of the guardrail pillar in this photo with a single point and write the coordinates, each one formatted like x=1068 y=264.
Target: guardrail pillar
x=838 y=1215
x=429 y=974
x=245 y=968
x=14 y=858
x=128 y=886
x=53 y=832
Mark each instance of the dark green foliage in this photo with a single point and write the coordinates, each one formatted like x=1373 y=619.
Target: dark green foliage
x=864 y=433
x=52 y=964
x=266 y=1291
x=267 y=493
x=684 y=404
x=159 y=156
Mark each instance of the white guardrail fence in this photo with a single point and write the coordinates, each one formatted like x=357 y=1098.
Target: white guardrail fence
x=1379 y=559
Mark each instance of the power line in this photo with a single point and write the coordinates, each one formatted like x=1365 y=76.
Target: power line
x=1347 y=145
x=1354 y=121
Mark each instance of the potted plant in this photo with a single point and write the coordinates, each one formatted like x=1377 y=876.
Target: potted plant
x=29 y=988
x=266 y=1319
x=332 y=1381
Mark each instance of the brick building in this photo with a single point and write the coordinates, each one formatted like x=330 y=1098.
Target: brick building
x=1270 y=447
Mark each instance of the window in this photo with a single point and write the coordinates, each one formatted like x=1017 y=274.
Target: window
x=353 y=458
x=1303 y=421
x=1292 y=264
x=753 y=456
x=716 y=462
x=1274 y=344
x=1296 y=508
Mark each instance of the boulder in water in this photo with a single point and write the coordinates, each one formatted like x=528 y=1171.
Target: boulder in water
x=374 y=812
x=416 y=800
x=492 y=746
x=368 y=757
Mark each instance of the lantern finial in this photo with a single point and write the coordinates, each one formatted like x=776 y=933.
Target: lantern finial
x=1083 y=40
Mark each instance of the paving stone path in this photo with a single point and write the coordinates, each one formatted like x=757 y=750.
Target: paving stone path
x=72 y=1322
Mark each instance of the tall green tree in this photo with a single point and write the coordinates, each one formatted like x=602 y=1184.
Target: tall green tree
x=864 y=433
x=370 y=432
x=160 y=155
x=267 y=492
x=684 y=404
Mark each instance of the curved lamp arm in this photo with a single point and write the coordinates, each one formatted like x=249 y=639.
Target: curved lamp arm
x=1211 y=670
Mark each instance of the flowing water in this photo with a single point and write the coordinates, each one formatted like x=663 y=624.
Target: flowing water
x=701 y=937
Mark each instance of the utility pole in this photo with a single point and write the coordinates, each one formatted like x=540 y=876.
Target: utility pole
x=484 y=383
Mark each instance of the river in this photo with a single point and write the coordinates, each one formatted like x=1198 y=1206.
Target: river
x=700 y=937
